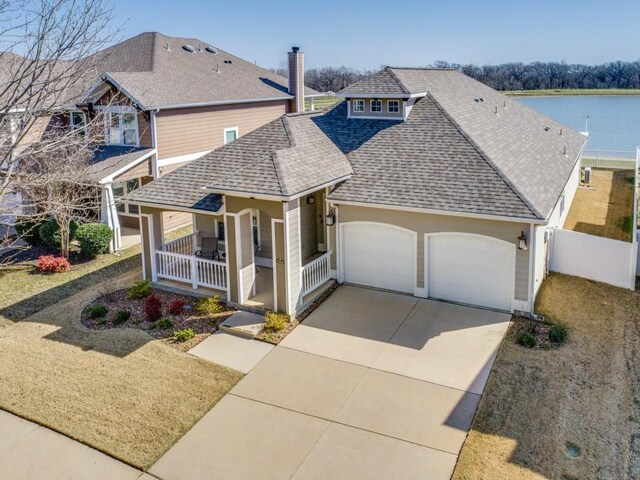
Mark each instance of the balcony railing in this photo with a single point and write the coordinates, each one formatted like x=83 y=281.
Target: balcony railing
x=315 y=273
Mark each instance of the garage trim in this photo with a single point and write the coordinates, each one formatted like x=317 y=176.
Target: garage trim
x=504 y=242
x=341 y=255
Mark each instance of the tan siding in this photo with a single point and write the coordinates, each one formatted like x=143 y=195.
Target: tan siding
x=173 y=220
x=144 y=130
x=293 y=247
x=141 y=170
x=426 y=223
x=191 y=130
x=266 y=250
x=280 y=267
x=171 y=168
x=128 y=221
x=238 y=204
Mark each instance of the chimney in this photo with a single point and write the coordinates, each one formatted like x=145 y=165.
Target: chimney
x=296 y=79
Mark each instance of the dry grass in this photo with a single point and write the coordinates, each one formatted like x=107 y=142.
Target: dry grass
x=586 y=393
x=119 y=391
x=605 y=207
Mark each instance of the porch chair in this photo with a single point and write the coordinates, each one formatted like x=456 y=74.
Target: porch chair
x=209 y=248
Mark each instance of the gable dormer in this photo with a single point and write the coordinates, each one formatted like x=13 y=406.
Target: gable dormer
x=379 y=96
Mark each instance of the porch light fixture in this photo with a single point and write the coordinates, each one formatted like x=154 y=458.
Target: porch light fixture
x=522 y=241
x=311 y=199
x=331 y=218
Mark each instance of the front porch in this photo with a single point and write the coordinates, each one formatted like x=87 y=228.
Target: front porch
x=270 y=256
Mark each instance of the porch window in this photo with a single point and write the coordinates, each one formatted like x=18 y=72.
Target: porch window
x=358 y=106
x=220 y=226
x=78 y=123
x=376 y=105
x=255 y=226
x=121 y=128
x=230 y=134
x=121 y=189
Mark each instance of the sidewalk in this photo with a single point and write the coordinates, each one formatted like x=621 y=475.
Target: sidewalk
x=29 y=451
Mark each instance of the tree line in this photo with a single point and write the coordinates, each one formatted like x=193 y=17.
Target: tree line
x=506 y=76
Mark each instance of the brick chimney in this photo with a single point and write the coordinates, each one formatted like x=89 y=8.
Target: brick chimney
x=296 y=79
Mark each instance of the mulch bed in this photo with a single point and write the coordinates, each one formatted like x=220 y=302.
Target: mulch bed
x=276 y=337
x=539 y=330
x=203 y=325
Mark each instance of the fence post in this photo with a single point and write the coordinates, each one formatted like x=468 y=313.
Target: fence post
x=194 y=272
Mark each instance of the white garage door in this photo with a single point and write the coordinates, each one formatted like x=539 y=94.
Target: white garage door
x=470 y=269
x=379 y=255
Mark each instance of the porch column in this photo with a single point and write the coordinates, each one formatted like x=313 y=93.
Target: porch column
x=151 y=239
x=293 y=255
x=109 y=216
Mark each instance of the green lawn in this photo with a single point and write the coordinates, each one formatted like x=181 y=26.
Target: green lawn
x=573 y=91
x=322 y=102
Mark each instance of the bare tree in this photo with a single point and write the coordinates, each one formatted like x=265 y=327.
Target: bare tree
x=49 y=55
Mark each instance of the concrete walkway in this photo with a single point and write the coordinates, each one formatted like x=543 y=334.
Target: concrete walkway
x=241 y=354
x=371 y=385
x=29 y=451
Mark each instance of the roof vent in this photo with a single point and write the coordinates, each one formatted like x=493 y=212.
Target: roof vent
x=227 y=61
x=167 y=47
x=546 y=129
x=210 y=49
x=188 y=48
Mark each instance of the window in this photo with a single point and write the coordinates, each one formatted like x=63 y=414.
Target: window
x=121 y=189
x=393 y=106
x=358 y=105
x=255 y=225
x=376 y=105
x=220 y=227
x=121 y=128
x=230 y=134
x=78 y=122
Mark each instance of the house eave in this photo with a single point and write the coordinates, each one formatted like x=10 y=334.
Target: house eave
x=450 y=213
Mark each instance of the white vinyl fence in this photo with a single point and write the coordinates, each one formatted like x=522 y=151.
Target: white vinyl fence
x=596 y=258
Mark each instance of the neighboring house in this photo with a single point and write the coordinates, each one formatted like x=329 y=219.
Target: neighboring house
x=423 y=181
x=166 y=101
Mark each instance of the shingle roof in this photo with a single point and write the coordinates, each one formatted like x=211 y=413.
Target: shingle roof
x=383 y=82
x=452 y=153
x=285 y=157
x=514 y=140
x=108 y=159
x=158 y=72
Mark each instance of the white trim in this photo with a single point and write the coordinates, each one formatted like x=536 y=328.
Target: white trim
x=230 y=129
x=239 y=267
x=84 y=122
x=371 y=105
x=227 y=254
x=339 y=264
x=287 y=262
x=377 y=117
x=181 y=158
x=438 y=212
x=152 y=245
x=414 y=234
x=364 y=105
x=381 y=95
x=389 y=107
x=155 y=170
x=532 y=245
x=274 y=256
x=126 y=168
x=512 y=285
x=144 y=268
x=165 y=207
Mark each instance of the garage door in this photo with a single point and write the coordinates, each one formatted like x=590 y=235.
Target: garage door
x=470 y=269
x=379 y=255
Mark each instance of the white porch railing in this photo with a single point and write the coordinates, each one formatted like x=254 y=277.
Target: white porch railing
x=191 y=269
x=315 y=273
x=184 y=245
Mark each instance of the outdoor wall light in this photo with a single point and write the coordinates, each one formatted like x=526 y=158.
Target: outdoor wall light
x=522 y=241
x=311 y=199
x=331 y=218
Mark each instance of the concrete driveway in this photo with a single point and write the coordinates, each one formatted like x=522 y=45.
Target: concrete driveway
x=371 y=385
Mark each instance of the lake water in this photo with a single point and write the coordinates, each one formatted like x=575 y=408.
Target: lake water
x=614 y=121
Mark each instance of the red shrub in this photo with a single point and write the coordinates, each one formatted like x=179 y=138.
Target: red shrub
x=176 y=307
x=53 y=264
x=152 y=308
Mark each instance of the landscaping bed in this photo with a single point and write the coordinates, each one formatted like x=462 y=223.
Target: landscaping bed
x=275 y=336
x=571 y=412
x=202 y=325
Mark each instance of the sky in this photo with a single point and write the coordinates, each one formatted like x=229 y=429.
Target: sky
x=368 y=34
